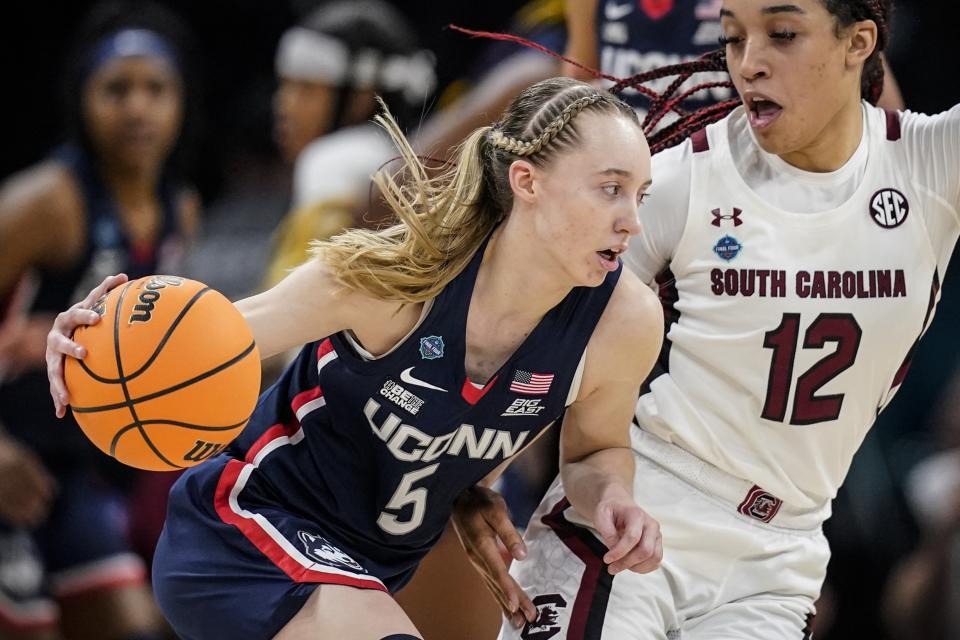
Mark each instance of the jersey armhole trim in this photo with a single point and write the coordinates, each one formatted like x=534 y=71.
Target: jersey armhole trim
x=700 y=141
x=577 y=380
x=367 y=356
x=893 y=125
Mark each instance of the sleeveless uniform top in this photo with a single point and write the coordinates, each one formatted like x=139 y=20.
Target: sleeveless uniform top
x=636 y=36
x=789 y=332
x=380 y=448
x=25 y=406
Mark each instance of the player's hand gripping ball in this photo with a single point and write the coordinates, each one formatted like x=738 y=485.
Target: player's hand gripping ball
x=171 y=376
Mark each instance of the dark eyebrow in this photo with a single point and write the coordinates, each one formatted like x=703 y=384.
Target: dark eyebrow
x=782 y=8
x=779 y=8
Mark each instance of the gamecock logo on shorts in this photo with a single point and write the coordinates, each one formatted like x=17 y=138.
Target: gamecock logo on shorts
x=319 y=548
x=547 y=623
x=760 y=505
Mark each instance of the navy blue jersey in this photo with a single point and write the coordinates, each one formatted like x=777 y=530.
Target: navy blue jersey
x=376 y=450
x=636 y=36
x=25 y=407
x=108 y=249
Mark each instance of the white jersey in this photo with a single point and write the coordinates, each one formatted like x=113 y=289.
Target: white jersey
x=339 y=164
x=791 y=325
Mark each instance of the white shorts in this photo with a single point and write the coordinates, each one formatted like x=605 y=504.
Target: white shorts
x=728 y=573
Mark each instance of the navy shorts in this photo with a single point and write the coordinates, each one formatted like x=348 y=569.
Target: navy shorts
x=81 y=548
x=227 y=568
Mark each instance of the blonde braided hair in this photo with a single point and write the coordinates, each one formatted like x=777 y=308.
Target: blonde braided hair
x=444 y=216
x=524 y=148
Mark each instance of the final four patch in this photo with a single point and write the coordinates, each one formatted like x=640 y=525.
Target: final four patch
x=727 y=248
x=431 y=347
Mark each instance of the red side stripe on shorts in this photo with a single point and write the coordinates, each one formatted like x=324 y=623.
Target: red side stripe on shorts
x=590 y=607
x=270 y=547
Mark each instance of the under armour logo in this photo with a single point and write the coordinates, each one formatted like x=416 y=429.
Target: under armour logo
x=718 y=218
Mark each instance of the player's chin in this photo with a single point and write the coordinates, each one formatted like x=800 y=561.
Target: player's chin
x=779 y=138
x=592 y=278
x=597 y=268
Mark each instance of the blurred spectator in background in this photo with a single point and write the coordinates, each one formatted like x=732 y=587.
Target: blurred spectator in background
x=923 y=593
x=494 y=77
x=110 y=199
x=624 y=39
x=331 y=66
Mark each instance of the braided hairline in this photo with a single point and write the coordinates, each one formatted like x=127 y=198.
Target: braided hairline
x=524 y=148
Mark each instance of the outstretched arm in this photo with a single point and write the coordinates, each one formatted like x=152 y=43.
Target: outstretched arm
x=596 y=460
x=581 y=37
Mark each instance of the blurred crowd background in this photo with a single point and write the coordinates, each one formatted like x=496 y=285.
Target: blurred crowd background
x=895 y=531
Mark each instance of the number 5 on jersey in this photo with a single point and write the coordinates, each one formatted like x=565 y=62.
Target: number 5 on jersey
x=809 y=408
x=404 y=495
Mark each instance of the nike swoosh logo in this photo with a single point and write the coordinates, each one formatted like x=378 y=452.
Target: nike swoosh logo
x=617 y=11
x=406 y=376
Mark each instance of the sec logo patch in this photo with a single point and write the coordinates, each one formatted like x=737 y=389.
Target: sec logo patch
x=889 y=208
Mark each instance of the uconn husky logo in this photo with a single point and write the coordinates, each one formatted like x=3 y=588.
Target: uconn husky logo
x=319 y=548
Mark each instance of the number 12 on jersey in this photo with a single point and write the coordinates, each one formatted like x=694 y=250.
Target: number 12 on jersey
x=809 y=408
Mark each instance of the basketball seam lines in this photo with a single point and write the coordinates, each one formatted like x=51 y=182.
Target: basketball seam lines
x=123 y=380
x=172 y=423
x=232 y=361
x=160 y=345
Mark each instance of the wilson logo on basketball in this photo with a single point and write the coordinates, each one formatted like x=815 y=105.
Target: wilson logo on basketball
x=203 y=450
x=889 y=208
x=168 y=393
x=144 y=311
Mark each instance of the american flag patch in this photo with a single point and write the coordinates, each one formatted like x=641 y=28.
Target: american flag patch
x=531 y=383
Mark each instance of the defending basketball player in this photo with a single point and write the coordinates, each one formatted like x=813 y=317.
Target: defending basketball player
x=799 y=245
x=114 y=194
x=436 y=350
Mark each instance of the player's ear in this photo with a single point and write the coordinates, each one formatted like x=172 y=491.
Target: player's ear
x=863 y=41
x=522 y=176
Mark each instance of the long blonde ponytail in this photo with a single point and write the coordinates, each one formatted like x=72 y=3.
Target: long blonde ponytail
x=443 y=219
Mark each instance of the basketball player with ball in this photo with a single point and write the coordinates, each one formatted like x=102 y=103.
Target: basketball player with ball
x=435 y=351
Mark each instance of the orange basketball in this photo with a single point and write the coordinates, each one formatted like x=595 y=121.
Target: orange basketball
x=171 y=375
